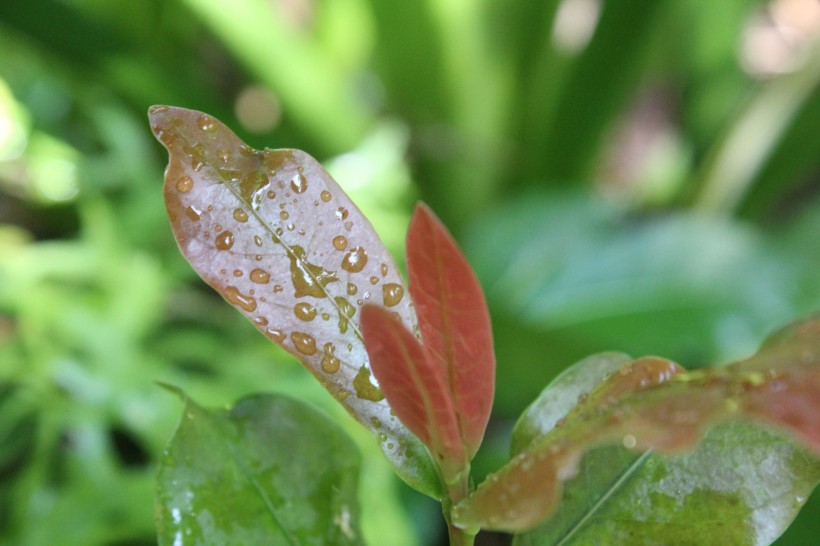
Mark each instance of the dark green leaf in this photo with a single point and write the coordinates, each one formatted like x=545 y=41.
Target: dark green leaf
x=269 y=471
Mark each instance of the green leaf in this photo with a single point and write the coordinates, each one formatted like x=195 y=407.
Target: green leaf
x=739 y=469
x=277 y=237
x=269 y=471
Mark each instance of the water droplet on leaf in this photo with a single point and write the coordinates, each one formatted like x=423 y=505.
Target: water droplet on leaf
x=364 y=388
x=240 y=215
x=224 y=241
x=192 y=213
x=304 y=343
x=185 y=184
x=325 y=195
x=340 y=242
x=308 y=279
x=234 y=296
x=355 y=260
x=260 y=276
x=298 y=183
x=330 y=364
x=392 y=294
x=304 y=311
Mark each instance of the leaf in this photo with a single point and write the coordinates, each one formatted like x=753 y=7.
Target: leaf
x=454 y=322
x=780 y=385
x=269 y=471
x=415 y=386
x=279 y=240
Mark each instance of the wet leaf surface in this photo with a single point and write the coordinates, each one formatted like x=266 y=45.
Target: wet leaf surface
x=269 y=471
x=454 y=322
x=275 y=235
x=740 y=470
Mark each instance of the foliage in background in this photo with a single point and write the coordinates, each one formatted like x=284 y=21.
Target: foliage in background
x=650 y=187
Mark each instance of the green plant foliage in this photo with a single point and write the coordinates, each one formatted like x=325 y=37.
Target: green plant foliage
x=620 y=496
x=271 y=470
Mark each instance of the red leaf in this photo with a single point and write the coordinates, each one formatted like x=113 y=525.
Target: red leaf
x=454 y=322
x=414 y=385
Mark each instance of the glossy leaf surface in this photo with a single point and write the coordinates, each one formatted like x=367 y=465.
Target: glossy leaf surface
x=415 y=385
x=780 y=385
x=270 y=471
x=454 y=322
x=280 y=241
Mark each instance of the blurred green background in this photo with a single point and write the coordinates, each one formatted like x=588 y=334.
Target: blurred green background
x=634 y=175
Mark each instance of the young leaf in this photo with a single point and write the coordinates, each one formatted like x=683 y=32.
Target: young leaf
x=454 y=322
x=269 y=471
x=280 y=241
x=780 y=385
x=415 y=385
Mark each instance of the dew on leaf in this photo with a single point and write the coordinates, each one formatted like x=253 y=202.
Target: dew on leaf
x=261 y=321
x=277 y=288
x=197 y=154
x=304 y=343
x=352 y=289
x=224 y=155
x=240 y=215
x=392 y=294
x=342 y=213
x=346 y=312
x=185 y=184
x=237 y=272
x=271 y=194
x=308 y=279
x=299 y=183
x=257 y=240
x=382 y=437
x=355 y=259
x=384 y=269
x=234 y=296
x=340 y=242
x=374 y=280
x=192 y=213
x=304 y=311
x=330 y=364
x=260 y=276
x=284 y=215
x=364 y=388
x=376 y=422
x=276 y=335
x=224 y=241
x=206 y=123
x=325 y=195
x=250 y=185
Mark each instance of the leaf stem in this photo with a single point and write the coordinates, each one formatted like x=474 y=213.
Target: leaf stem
x=456 y=491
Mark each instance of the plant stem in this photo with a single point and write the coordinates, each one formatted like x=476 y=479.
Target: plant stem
x=455 y=492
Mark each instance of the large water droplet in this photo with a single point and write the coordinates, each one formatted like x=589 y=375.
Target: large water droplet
x=308 y=279
x=304 y=343
x=224 y=241
x=260 y=276
x=185 y=184
x=392 y=293
x=298 y=183
x=330 y=364
x=342 y=213
x=234 y=296
x=355 y=260
x=240 y=215
x=304 y=311
x=325 y=195
x=340 y=242
x=364 y=388
x=276 y=335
